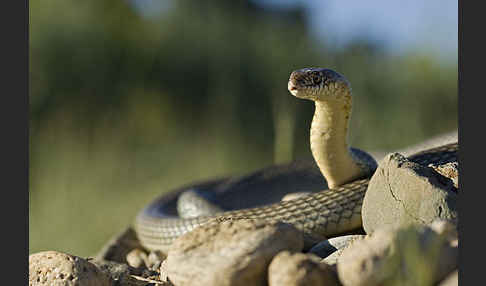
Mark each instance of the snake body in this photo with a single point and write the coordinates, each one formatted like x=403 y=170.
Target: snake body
x=332 y=209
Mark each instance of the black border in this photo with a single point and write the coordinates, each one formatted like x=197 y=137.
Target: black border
x=14 y=118
x=471 y=129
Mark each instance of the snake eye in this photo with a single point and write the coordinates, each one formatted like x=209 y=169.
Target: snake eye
x=316 y=78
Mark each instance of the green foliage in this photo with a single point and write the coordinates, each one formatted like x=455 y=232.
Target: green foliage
x=125 y=107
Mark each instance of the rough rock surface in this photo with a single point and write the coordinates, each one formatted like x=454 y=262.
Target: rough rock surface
x=57 y=268
x=413 y=255
x=229 y=252
x=402 y=192
x=299 y=269
x=449 y=170
x=121 y=274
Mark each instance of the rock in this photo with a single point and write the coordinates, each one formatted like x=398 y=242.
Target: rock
x=327 y=247
x=57 y=268
x=402 y=192
x=156 y=256
x=122 y=259
x=163 y=272
x=293 y=196
x=359 y=262
x=123 y=274
x=446 y=228
x=137 y=258
x=295 y=269
x=413 y=255
x=451 y=280
x=230 y=252
x=155 y=259
x=449 y=170
x=117 y=248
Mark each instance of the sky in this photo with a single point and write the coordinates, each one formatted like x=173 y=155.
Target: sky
x=428 y=25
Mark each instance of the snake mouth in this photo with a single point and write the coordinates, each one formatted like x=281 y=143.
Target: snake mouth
x=291 y=86
x=298 y=91
x=293 y=89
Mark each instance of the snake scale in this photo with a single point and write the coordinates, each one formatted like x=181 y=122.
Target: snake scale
x=334 y=205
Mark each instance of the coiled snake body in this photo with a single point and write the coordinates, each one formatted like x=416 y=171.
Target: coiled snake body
x=330 y=210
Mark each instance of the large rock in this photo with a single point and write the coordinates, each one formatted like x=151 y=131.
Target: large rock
x=299 y=269
x=57 y=268
x=230 y=252
x=413 y=255
x=402 y=192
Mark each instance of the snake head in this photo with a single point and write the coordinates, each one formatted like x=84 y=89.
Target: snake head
x=318 y=84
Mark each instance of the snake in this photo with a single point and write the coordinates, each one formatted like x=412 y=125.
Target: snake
x=336 y=179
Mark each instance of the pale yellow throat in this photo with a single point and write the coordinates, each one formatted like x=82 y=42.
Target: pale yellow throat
x=328 y=140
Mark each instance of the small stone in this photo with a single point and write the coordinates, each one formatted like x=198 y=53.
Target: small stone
x=137 y=258
x=117 y=248
x=299 y=269
x=155 y=258
x=57 y=268
x=156 y=266
x=402 y=192
x=163 y=271
x=233 y=252
x=120 y=273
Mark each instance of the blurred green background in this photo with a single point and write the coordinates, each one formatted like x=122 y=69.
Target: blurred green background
x=125 y=105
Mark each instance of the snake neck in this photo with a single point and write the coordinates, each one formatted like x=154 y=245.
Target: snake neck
x=328 y=141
